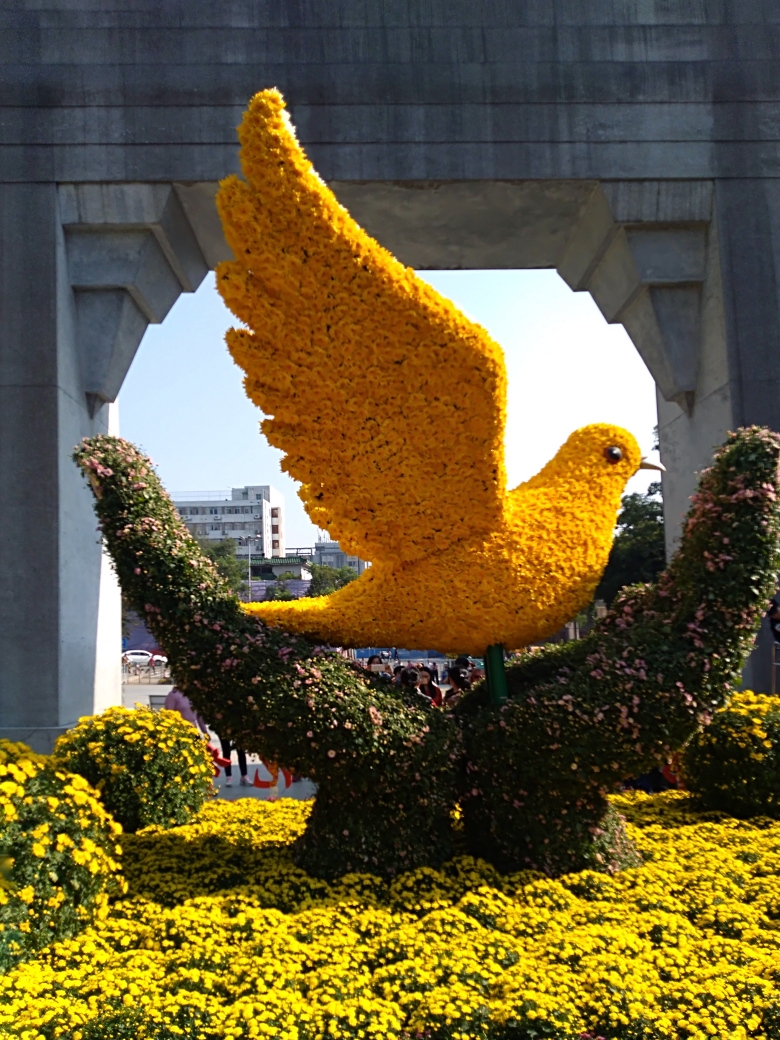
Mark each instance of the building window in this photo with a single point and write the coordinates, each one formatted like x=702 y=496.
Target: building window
x=275 y=512
x=275 y=529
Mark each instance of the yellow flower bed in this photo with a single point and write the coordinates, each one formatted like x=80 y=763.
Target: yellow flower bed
x=686 y=946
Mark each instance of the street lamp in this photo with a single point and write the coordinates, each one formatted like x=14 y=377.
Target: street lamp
x=249 y=564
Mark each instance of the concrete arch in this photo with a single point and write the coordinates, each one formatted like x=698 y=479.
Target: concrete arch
x=633 y=145
x=647 y=252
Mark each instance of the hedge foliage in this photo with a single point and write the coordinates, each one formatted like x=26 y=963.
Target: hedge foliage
x=148 y=766
x=585 y=715
x=734 y=763
x=533 y=775
x=58 y=854
x=222 y=937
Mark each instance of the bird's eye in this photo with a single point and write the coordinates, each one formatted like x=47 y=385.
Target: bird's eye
x=613 y=454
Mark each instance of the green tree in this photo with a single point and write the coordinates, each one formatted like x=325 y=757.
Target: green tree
x=325 y=579
x=638 y=551
x=223 y=556
x=278 y=591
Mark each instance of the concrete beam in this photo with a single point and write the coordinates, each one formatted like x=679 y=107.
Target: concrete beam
x=640 y=251
x=130 y=252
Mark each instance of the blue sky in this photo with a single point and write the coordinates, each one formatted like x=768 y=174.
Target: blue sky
x=183 y=402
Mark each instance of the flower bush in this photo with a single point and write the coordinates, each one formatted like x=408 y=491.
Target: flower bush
x=316 y=293
x=58 y=854
x=222 y=936
x=149 y=766
x=734 y=763
x=13 y=751
x=583 y=716
x=533 y=775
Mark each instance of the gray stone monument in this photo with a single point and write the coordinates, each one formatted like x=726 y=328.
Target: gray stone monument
x=630 y=144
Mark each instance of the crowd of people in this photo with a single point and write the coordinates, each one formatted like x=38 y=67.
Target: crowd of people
x=423 y=680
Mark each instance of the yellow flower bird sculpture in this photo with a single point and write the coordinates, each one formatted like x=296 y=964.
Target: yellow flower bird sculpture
x=389 y=405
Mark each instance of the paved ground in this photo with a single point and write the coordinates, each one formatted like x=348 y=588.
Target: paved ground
x=138 y=693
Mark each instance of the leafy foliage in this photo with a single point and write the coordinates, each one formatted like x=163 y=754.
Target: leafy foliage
x=149 y=766
x=58 y=854
x=734 y=764
x=638 y=552
x=223 y=555
x=325 y=579
x=278 y=591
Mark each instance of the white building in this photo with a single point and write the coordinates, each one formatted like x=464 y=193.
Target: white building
x=253 y=516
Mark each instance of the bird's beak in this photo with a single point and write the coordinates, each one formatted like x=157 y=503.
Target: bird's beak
x=647 y=464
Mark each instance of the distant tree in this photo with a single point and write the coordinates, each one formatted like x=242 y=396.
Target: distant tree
x=278 y=590
x=287 y=576
x=223 y=555
x=325 y=579
x=638 y=551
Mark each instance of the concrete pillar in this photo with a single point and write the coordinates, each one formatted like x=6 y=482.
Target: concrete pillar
x=49 y=552
x=84 y=269
x=738 y=378
x=690 y=268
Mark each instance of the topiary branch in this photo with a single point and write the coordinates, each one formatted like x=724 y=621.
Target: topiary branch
x=273 y=693
x=585 y=715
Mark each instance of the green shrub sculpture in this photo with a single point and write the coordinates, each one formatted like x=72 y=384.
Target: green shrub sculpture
x=383 y=763
x=734 y=763
x=585 y=715
x=532 y=775
x=58 y=854
x=149 y=767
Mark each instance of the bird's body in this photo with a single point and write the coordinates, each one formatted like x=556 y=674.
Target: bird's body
x=521 y=583
x=389 y=404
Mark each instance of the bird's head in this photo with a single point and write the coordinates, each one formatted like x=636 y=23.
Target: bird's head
x=601 y=457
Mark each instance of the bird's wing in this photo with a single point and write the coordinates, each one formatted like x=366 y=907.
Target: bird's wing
x=388 y=403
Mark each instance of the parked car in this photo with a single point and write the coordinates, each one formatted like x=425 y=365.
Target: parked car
x=143 y=657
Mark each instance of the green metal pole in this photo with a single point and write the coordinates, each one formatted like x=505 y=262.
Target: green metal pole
x=495 y=674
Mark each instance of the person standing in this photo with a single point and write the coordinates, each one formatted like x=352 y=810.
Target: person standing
x=459 y=684
x=178 y=701
x=428 y=687
x=227 y=749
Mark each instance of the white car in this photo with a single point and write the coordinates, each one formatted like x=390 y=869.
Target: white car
x=137 y=657
x=144 y=658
